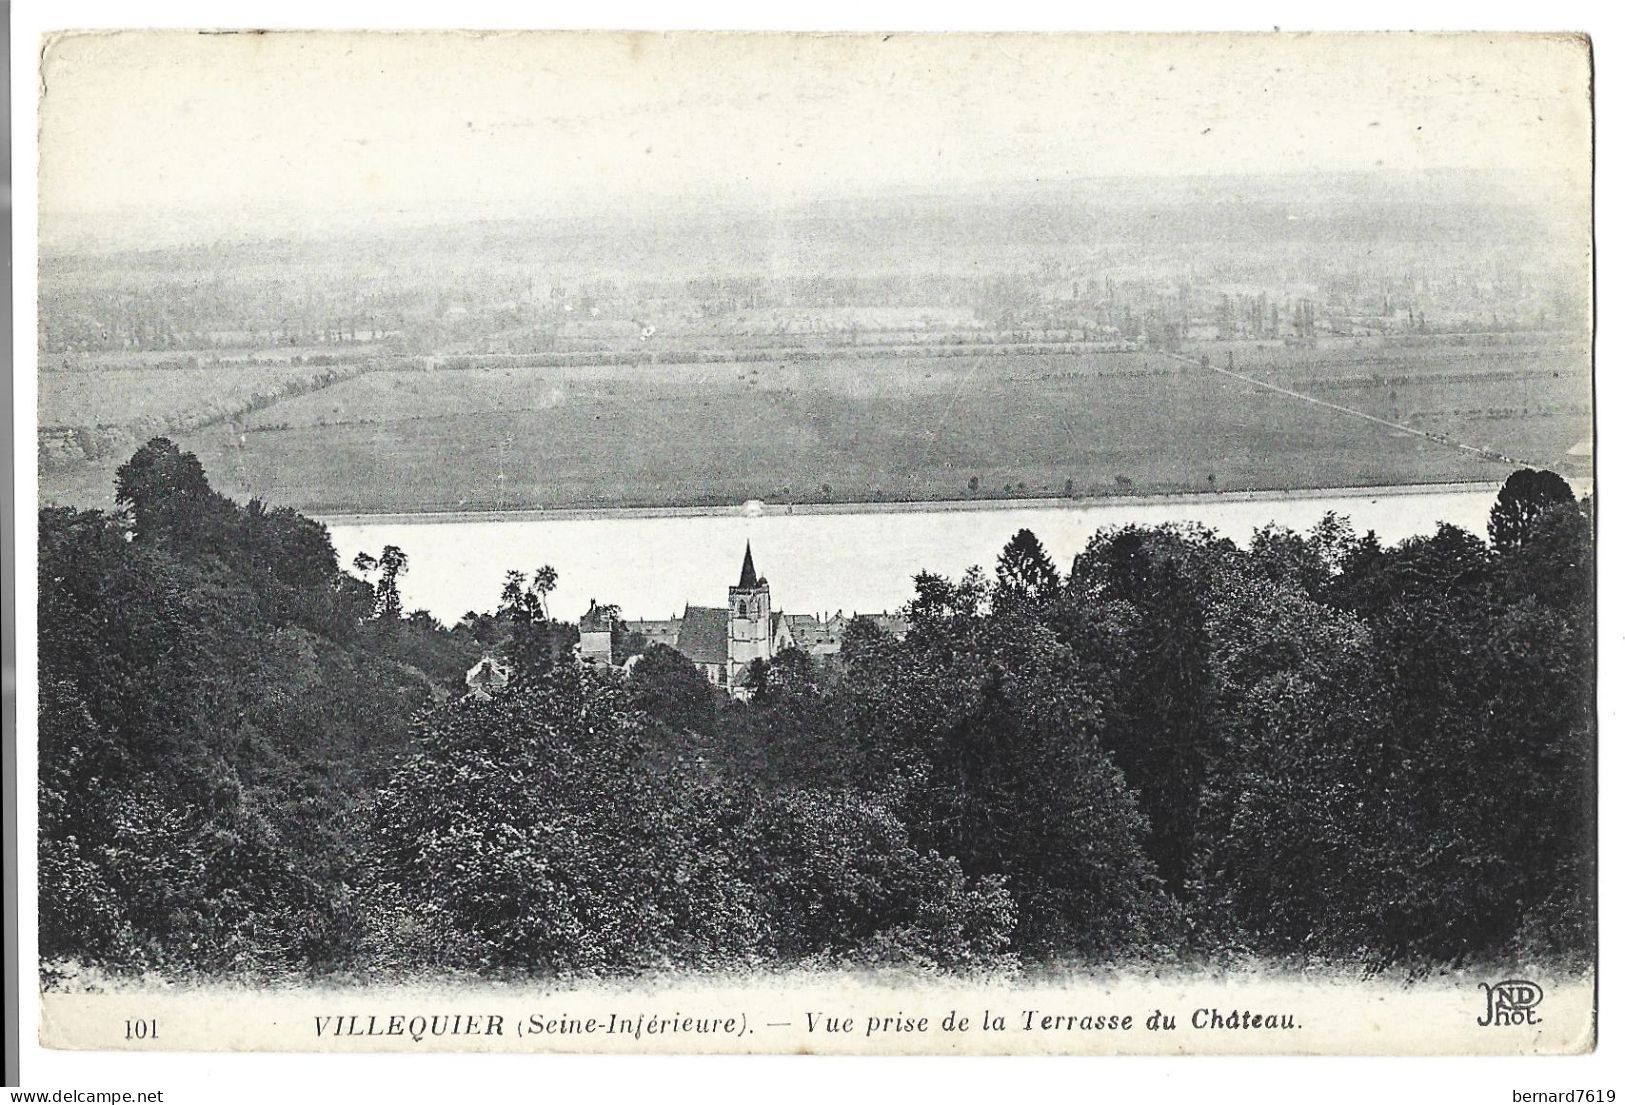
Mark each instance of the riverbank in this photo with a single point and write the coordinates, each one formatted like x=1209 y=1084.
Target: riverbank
x=755 y=509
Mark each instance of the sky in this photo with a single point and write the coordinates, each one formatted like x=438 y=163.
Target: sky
x=147 y=130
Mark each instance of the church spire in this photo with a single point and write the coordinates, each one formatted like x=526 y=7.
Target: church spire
x=747 y=573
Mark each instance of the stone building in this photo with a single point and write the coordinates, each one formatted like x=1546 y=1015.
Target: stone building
x=722 y=641
x=754 y=631
x=598 y=631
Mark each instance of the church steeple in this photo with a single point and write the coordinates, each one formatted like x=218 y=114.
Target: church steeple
x=750 y=624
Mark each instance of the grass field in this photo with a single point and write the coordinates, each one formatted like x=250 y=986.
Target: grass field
x=110 y=397
x=906 y=429
x=1530 y=400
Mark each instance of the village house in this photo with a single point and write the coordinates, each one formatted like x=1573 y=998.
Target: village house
x=490 y=674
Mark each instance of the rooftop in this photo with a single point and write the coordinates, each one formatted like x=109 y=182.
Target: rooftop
x=703 y=637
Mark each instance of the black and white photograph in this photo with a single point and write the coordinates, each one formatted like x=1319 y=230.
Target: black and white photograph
x=792 y=543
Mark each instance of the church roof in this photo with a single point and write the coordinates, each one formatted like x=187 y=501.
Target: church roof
x=703 y=637
x=747 y=572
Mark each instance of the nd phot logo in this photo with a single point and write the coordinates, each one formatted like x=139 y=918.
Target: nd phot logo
x=1511 y=1002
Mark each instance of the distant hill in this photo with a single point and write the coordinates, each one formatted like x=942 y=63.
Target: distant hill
x=858 y=233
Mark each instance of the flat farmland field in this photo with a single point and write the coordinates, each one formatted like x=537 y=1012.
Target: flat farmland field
x=120 y=396
x=1528 y=399
x=905 y=428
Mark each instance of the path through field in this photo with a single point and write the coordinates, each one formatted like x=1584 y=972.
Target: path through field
x=1489 y=454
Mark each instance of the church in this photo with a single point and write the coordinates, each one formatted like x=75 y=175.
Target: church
x=722 y=641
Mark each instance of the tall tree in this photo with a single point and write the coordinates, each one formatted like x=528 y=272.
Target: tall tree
x=1157 y=585
x=391 y=566
x=534 y=640
x=1025 y=568
x=667 y=686
x=165 y=490
x=1526 y=494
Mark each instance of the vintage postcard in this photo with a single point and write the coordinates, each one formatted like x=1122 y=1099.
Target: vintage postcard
x=815 y=543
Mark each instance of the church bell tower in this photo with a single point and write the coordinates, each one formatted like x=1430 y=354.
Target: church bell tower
x=750 y=624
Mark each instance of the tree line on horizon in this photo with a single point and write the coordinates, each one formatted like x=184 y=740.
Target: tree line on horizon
x=256 y=764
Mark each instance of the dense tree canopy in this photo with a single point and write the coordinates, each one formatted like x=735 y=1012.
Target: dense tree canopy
x=254 y=762
x=529 y=831
x=217 y=698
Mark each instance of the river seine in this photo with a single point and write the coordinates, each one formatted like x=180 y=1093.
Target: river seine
x=826 y=559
